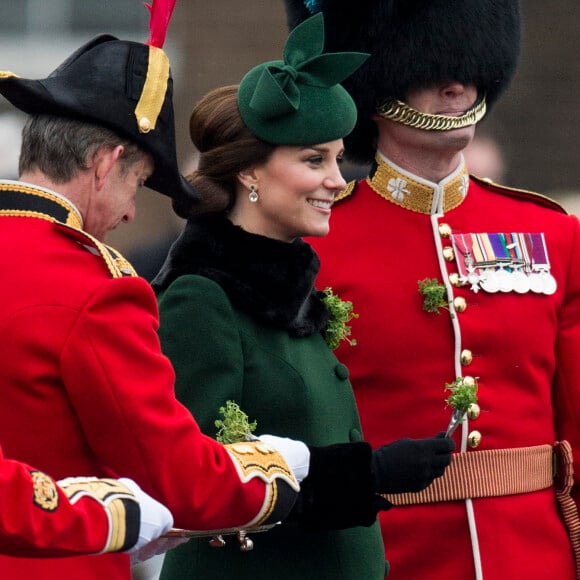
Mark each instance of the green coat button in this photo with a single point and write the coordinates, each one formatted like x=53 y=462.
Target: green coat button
x=341 y=372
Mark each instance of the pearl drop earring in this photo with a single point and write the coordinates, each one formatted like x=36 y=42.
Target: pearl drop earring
x=253 y=196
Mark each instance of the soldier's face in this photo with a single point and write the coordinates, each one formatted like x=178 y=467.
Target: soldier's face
x=115 y=203
x=451 y=99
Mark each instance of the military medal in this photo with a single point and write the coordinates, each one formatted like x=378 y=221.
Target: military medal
x=499 y=254
x=504 y=262
x=521 y=282
x=489 y=281
x=549 y=284
x=505 y=280
x=536 y=282
x=541 y=280
x=465 y=261
x=484 y=258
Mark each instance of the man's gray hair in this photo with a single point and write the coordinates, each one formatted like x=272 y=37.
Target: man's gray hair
x=60 y=147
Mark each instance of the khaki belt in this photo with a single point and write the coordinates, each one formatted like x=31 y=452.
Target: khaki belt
x=488 y=473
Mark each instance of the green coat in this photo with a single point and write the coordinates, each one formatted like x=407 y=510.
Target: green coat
x=292 y=386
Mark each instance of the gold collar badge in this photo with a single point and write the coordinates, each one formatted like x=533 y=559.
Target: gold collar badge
x=414 y=194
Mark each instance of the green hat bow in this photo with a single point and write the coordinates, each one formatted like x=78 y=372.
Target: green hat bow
x=298 y=101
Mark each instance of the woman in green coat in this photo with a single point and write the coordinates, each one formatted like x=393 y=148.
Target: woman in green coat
x=241 y=319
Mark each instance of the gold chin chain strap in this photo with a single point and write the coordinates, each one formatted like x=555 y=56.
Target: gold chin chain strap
x=400 y=112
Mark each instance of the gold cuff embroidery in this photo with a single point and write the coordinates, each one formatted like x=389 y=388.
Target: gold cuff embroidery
x=116 y=498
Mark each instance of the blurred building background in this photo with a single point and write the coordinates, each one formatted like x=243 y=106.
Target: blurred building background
x=536 y=124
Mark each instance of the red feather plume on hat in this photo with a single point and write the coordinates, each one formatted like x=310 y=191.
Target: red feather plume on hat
x=160 y=14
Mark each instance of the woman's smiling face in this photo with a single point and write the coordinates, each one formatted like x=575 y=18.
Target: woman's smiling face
x=296 y=189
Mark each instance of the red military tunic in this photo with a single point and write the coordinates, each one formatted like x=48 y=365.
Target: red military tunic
x=37 y=519
x=393 y=230
x=86 y=390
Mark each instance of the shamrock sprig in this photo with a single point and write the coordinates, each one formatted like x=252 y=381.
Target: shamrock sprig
x=463 y=395
x=434 y=294
x=235 y=426
x=341 y=313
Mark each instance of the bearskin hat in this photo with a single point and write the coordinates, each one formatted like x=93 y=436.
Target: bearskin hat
x=416 y=43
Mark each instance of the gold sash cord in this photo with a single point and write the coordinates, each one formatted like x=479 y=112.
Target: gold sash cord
x=498 y=472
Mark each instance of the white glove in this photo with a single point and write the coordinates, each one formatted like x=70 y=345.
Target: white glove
x=156 y=519
x=295 y=453
x=155 y=548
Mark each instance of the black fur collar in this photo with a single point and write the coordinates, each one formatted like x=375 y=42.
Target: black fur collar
x=271 y=280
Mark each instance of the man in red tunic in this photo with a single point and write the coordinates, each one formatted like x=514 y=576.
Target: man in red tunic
x=85 y=387
x=502 y=268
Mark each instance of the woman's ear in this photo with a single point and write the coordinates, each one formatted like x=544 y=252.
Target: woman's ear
x=248 y=177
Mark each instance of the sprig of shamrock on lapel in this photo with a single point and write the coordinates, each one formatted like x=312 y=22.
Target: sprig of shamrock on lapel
x=341 y=313
x=434 y=295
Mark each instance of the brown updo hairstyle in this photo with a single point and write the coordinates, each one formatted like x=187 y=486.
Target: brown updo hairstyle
x=226 y=147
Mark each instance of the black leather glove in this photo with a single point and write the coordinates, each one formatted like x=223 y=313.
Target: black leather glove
x=339 y=490
x=410 y=465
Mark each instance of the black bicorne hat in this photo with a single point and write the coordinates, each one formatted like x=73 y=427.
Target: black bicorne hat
x=122 y=85
x=413 y=44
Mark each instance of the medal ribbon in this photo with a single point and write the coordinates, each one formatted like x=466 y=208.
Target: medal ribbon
x=539 y=252
x=512 y=252
x=513 y=247
x=463 y=252
x=479 y=250
x=499 y=248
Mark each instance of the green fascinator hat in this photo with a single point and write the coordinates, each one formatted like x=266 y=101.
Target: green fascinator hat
x=298 y=101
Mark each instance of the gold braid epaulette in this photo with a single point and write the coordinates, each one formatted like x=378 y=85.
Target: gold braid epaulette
x=27 y=201
x=118 y=266
x=37 y=203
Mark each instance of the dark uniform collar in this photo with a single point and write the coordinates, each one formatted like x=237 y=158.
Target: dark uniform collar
x=415 y=193
x=18 y=198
